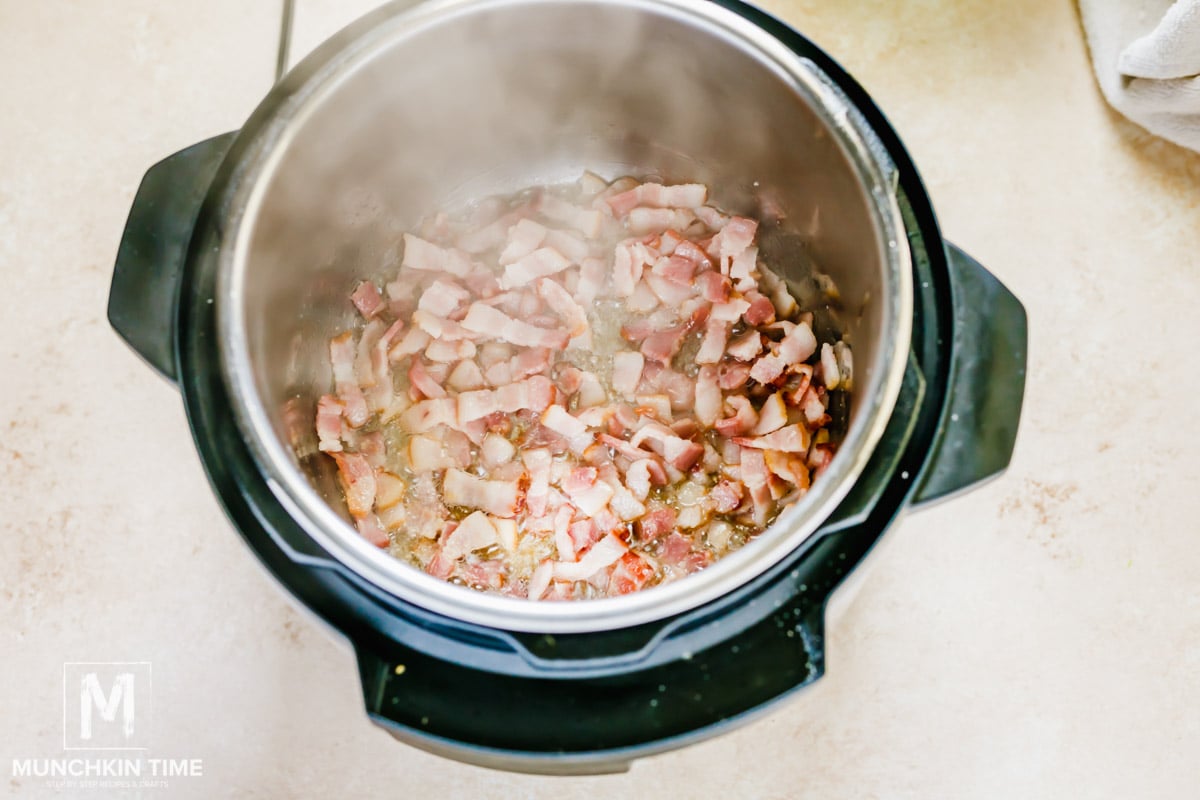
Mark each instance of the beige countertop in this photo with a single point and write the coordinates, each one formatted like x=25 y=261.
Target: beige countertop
x=1037 y=638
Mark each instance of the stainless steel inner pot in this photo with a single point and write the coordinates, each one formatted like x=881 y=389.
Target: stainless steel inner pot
x=421 y=108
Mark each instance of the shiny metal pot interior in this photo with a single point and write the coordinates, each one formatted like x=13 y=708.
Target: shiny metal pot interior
x=421 y=108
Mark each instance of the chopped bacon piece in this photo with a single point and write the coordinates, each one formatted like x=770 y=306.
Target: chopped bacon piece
x=329 y=424
x=366 y=299
x=712 y=347
x=767 y=369
x=523 y=239
x=427 y=454
x=442 y=297
x=428 y=414
x=798 y=344
x=585 y=220
x=668 y=292
x=475 y=532
x=726 y=496
x=732 y=375
x=423 y=382
x=678 y=551
x=559 y=420
x=708 y=396
x=789 y=439
x=656 y=195
x=341 y=355
x=772 y=416
x=465 y=376
x=743 y=419
x=627 y=372
x=756 y=477
x=680 y=453
x=485 y=320
x=414 y=341
x=631 y=573
x=496 y=450
x=655 y=524
x=629 y=261
x=714 y=287
x=422 y=255
x=371 y=530
x=440 y=328
x=713 y=220
x=731 y=311
x=593 y=273
x=499 y=498
x=447 y=352
x=733 y=238
x=535 y=393
x=790 y=468
x=357 y=477
x=541 y=263
x=601 y=555
x=661 y=346
x=746 y=262
x=761 y=310
x=570 y=245
x=561 y=302
x=591 y=391
x=746 y=347
x=537 y=462
x=676 y=268
x=813 y=408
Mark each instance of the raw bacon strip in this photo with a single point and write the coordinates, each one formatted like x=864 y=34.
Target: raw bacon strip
x=790 y=439
x=485 y=320
x=341 y=355
x=535 y=394
x=366 y=299
x=656 y=195
x=422 y=255
x=541 y=263
x=499 y=498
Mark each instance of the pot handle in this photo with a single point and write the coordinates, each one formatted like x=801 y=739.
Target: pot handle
x=978 y=428
x=153 y=249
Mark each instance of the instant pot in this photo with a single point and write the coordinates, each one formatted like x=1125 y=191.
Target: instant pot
x=240 y=252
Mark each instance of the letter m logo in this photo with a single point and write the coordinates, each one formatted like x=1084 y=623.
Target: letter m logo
x=106 y=706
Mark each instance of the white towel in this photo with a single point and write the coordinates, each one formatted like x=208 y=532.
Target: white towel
x=1147 y=59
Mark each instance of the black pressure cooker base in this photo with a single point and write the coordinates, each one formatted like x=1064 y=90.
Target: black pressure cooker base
x=587 y=702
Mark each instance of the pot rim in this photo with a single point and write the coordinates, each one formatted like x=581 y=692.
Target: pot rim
x=319 y=76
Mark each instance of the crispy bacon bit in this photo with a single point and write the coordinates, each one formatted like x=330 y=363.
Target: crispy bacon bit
x=499 y=498
x=566 y=455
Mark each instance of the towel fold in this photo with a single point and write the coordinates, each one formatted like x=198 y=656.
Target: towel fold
x=1147 y=59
